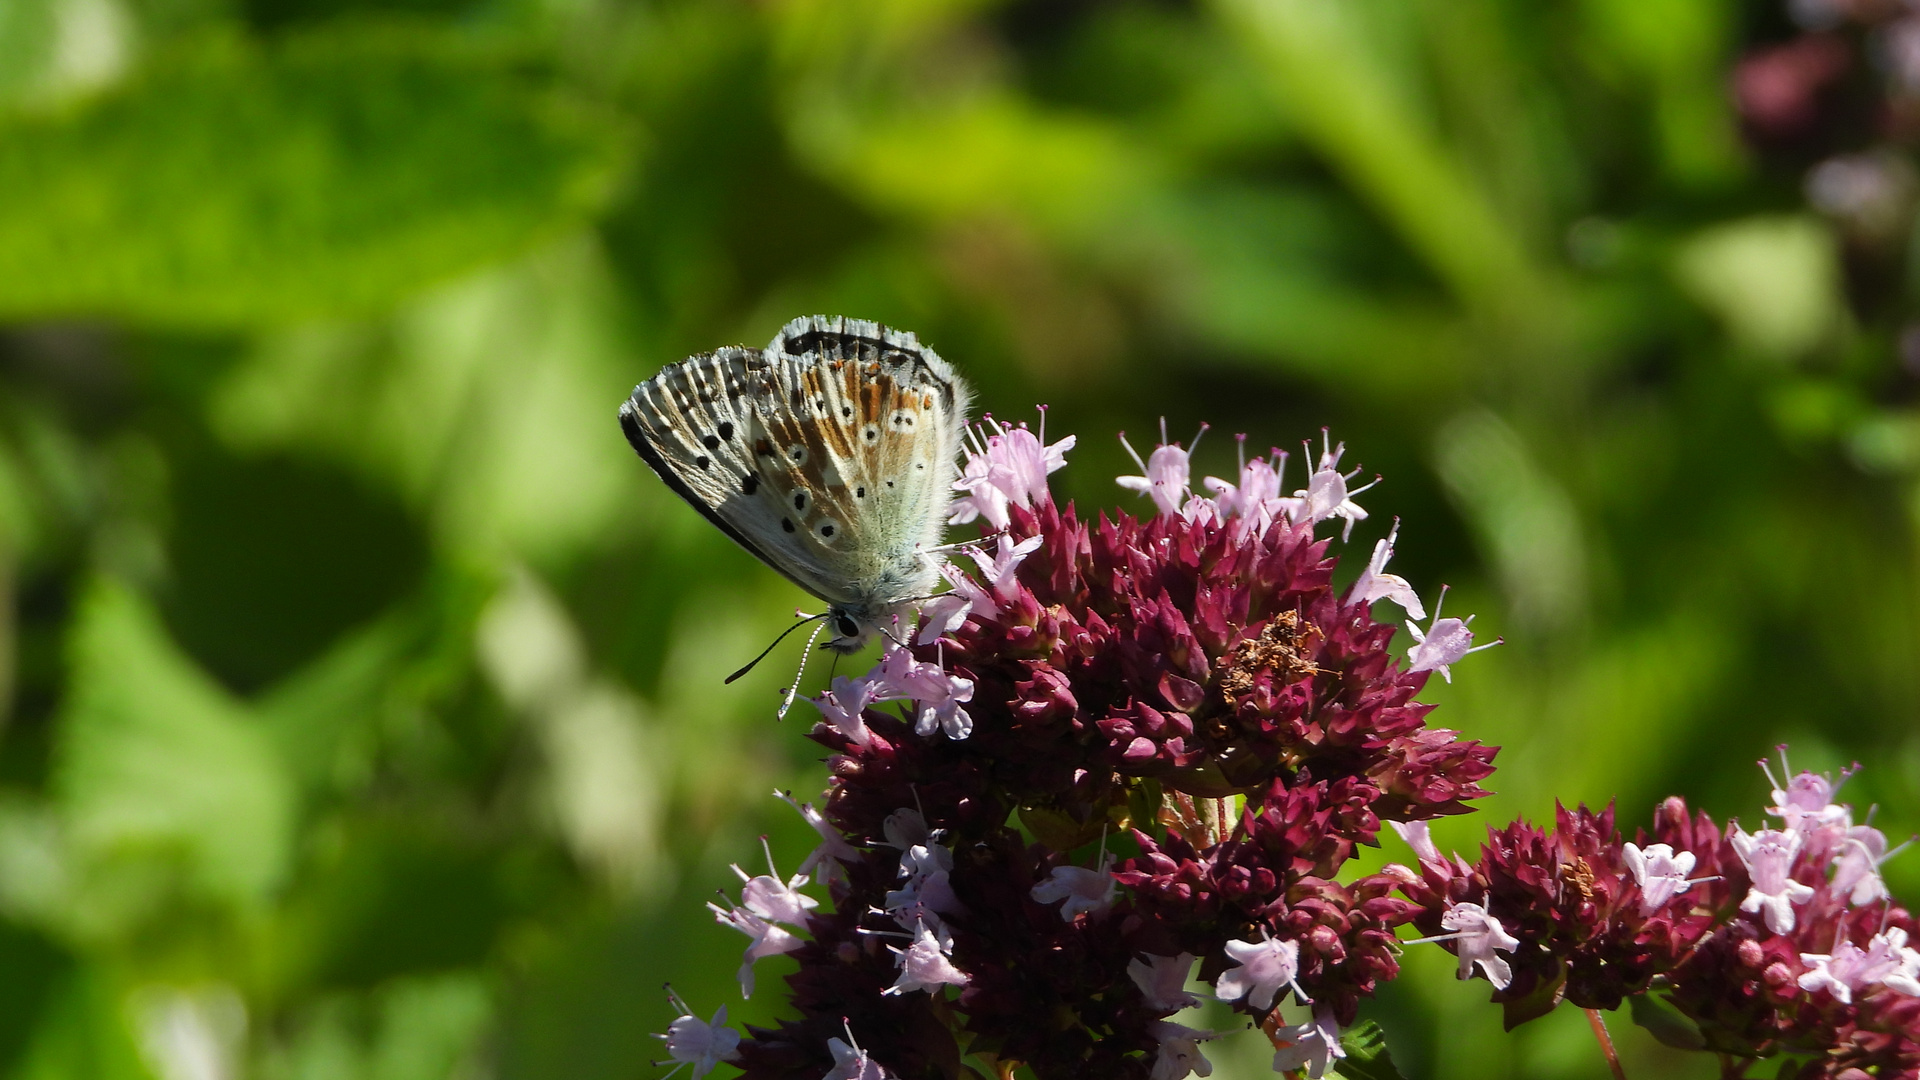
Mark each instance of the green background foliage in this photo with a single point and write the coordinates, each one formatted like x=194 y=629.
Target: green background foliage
x=362 y=693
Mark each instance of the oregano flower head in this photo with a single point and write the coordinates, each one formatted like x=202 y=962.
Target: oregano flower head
x=1125 y=747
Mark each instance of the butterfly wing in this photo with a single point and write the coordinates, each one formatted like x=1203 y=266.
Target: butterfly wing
x=693 y=424
x=880 y=417
x=829 y=456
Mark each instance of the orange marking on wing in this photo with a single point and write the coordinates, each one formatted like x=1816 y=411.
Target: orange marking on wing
x=836 y=436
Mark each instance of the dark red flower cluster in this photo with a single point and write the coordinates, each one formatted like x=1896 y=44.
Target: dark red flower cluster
x=1781 y=941
x=1133 y=745
x=1190 y=687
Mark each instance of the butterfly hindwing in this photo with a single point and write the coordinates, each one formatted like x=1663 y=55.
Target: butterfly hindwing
x=869 y=411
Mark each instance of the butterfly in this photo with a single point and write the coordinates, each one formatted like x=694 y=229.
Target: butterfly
x=830 y=455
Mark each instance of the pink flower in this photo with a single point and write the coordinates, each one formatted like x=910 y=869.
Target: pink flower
x=1444 y=643
x=1165 y=473
x=1806 y=802
x=1256 y=499
x=1478 y=936
x=938 y=694
x=1084 y=890
x=1856 y=866
x=1264 y=968
x=1374 y=583
x=852 y=1063
x=927 y=894
x=1661 y=874
x=924 y=964
x=1007 y=465
x=767 y=940
x=841 y=706
x=905 y=828
x=1326 y=494
x=1163 y=981
x=832 y=844
x=1313 y=1046
x=1419 y=837
x=1905 y=976
x=999 y=568
x=770 y=898
x=1849 y=967
x=702 y=1044
x=949 y=611
x=1768 y=856
x=1179 y=1051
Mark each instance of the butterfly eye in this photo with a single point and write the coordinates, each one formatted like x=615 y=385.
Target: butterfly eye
x=845 y=626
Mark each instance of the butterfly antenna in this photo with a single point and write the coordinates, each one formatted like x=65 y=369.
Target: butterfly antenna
x=783 y=636
x=805 y=654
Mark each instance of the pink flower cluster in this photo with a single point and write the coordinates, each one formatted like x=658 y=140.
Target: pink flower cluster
x=1778 y=941
x=1134 y=753
x=1127 y=748
x=1132 y=748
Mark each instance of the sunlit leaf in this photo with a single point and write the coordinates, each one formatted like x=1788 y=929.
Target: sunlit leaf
x=1367 y=1057
x=154 y=757
x=332 y=173
x=485 y=406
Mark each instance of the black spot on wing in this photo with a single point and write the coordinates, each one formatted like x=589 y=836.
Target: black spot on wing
x=643 y=446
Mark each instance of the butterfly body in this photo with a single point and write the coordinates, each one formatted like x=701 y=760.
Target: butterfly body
x=829 y=455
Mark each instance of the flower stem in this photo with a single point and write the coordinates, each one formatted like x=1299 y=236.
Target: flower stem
x=1606 y=1043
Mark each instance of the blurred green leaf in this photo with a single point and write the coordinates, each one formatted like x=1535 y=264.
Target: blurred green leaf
x=1679 y=48
x=1340 y=95
x=235 y=185
x=990 y=155
x=85 y=1034
x=1775 y=281
x=483 y=404
x=154 y=757
x=1666 y=1023
x=411 y=1029
x=320 y=717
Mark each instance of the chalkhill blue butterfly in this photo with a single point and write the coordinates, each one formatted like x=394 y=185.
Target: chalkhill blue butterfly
x=830 y=455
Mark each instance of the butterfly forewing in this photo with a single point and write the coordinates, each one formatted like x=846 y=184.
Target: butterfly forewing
x=830 y=455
